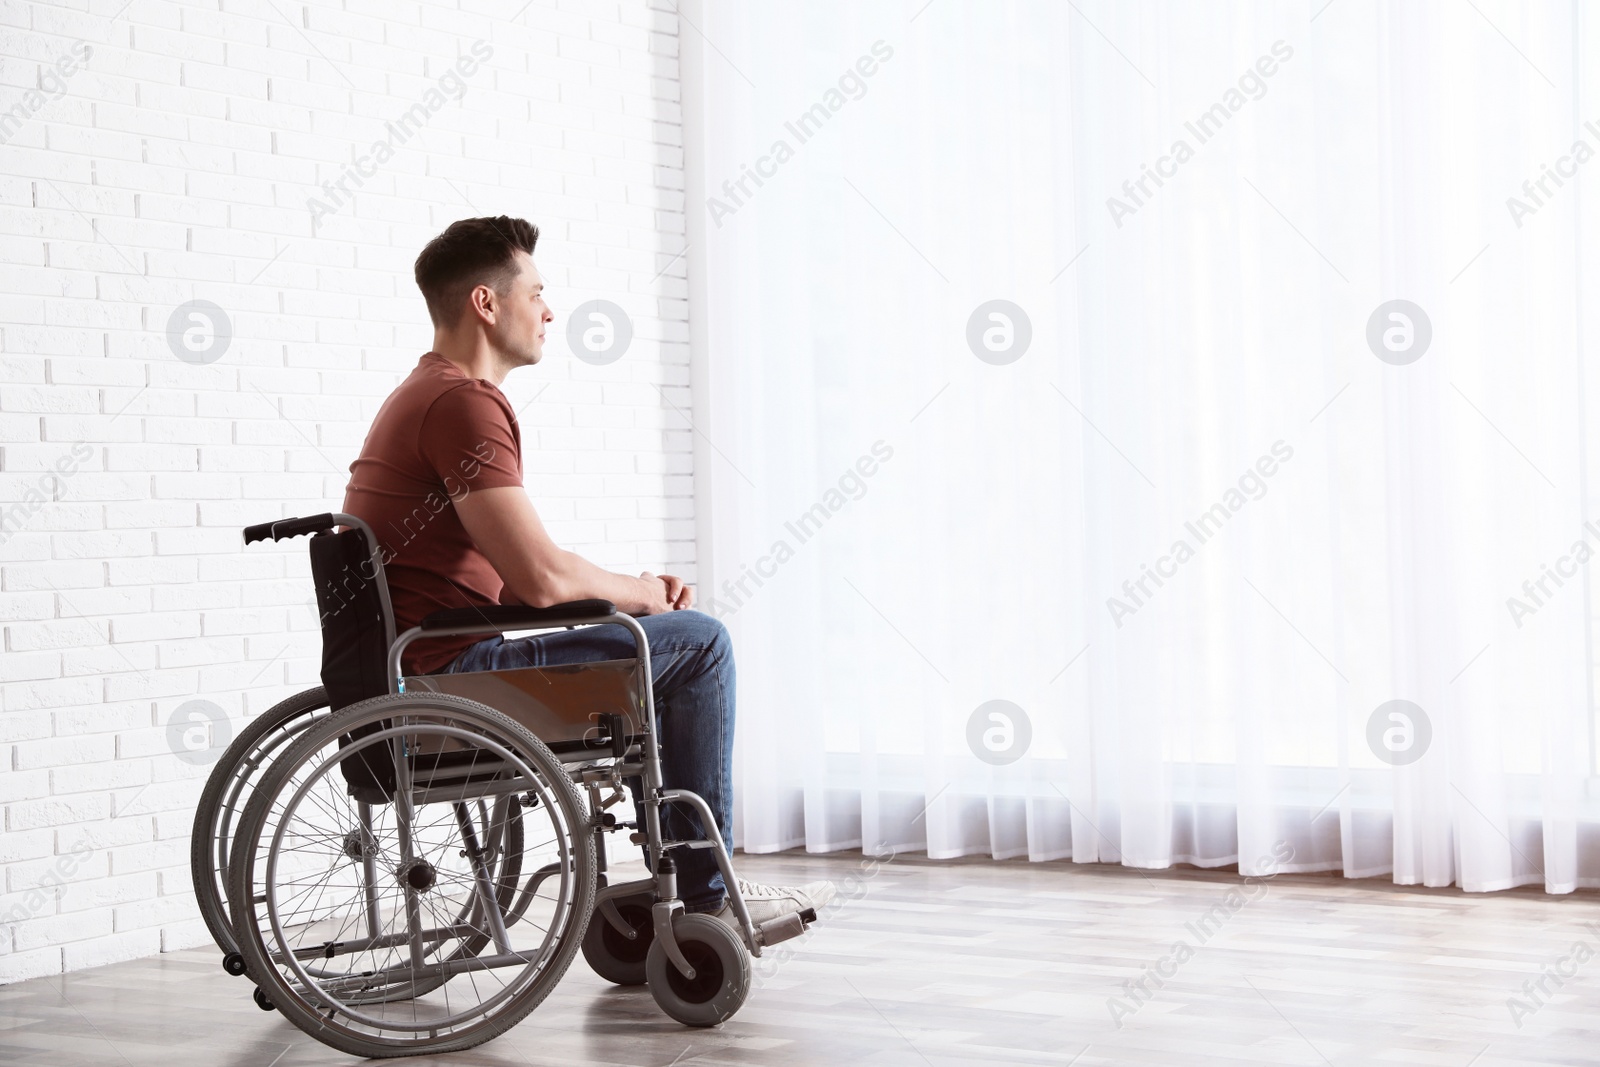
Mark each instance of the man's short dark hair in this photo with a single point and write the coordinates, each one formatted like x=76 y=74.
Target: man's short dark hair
x=470 y=253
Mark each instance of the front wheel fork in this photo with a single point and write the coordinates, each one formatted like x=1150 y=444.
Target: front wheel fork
x=665 y=910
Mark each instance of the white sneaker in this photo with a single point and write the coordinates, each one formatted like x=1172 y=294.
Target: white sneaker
x=768 y=902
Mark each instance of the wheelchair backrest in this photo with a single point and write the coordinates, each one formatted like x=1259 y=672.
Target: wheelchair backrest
x=356 y=629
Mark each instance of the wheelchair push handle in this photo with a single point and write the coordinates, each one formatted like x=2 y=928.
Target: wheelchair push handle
x=282 y=528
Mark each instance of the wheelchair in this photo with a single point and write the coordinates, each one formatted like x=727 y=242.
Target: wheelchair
x=408 y=865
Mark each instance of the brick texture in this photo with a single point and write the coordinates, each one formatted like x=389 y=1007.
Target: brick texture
x=284 y=163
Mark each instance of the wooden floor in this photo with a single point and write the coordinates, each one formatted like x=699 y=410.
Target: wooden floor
x=978 y=962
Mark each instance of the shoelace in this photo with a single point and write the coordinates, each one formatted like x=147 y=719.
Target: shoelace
x=757 y=891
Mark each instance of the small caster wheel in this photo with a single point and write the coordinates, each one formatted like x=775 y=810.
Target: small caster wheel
x=233 y=963
x=721 y=980
x=262 y=1002
x=608 y=950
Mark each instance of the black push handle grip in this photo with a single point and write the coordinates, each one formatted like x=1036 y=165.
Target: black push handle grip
x=277 y=531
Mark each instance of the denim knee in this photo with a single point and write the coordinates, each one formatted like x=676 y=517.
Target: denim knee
x=696 y=629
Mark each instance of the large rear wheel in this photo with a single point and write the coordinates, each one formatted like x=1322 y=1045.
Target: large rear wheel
x=382 y=911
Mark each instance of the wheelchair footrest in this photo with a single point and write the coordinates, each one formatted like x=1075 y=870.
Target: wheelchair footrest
x=786 y=926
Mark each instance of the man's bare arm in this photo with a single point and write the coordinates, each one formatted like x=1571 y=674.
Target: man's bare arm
x=539 y=573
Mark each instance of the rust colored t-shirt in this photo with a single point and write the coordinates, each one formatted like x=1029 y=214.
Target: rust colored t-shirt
x=439 y=436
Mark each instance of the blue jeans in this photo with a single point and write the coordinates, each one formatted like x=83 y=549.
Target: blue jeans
x=691 y=660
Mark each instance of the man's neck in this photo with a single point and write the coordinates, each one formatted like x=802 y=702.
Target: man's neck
x=473 y=355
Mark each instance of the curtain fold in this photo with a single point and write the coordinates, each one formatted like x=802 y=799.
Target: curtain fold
x=1152 y=433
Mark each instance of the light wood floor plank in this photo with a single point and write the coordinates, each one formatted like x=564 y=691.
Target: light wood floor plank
x=972 y=962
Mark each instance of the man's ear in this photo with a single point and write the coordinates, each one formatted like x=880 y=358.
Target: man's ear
x=485 y=303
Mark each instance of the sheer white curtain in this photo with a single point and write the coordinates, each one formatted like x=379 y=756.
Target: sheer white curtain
x=1219 y=513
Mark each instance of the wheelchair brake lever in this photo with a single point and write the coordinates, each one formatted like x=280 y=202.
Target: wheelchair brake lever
x=616 y=727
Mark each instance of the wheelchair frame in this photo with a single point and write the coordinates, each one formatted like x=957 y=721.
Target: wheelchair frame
x=589 y=760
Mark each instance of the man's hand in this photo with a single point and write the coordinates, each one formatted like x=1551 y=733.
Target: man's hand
x=667 y=593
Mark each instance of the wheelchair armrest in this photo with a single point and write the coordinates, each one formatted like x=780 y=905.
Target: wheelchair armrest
x=520 y=616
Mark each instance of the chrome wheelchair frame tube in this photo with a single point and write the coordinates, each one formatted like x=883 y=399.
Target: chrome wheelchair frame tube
x=650 y=761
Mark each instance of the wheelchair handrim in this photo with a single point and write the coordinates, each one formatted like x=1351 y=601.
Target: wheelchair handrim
x=221 y=805
x=277 y=739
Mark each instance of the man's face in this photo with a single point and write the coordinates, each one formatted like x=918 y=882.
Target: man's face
x=519 y=325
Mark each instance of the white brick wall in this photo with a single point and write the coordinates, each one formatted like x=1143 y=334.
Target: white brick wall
x=175 y=163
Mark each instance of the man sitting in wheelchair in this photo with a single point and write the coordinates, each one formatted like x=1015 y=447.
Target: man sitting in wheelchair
x=446 y=446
